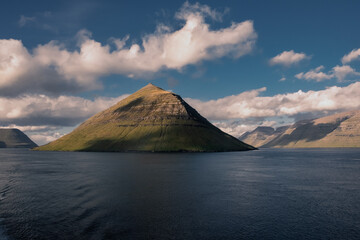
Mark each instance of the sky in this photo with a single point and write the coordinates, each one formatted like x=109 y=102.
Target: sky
x=241 y=64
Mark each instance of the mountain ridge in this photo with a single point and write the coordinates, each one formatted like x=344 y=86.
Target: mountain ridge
x=261 y=135
x=337 y=130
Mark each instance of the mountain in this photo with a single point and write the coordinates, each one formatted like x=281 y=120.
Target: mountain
x=338 y=130
x=14 y=138
x=262 y=135
x=151 y=119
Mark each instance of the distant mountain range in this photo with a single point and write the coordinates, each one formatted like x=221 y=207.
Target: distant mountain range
x=338 y=130
x=151 y=119
x=14 y=138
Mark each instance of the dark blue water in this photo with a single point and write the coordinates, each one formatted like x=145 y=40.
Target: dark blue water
x=265 y=194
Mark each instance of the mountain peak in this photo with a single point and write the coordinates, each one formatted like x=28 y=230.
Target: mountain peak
x=150 y=119
x=151 y=86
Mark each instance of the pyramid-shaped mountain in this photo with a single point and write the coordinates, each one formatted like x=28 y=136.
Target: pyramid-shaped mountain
x=151 y=119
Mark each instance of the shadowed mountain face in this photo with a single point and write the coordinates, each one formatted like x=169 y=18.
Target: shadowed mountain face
x=149 y=120
x=14 y=138
x=261 y=135
x=338 y=130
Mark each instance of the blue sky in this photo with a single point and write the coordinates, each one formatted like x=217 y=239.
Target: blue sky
x=309 y=38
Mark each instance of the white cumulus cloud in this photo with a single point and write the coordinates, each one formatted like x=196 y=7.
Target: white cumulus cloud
x=51 y=68
x=237 y=128
x=351 y=56
x=338 y=72
x=288 y=58
x=314 y=74
x=44 y=117
x=251 y=105
x=40 y=110
x=45 y=137
x=341 y=72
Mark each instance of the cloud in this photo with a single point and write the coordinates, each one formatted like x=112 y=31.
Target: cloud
x=38 y=111
x=39 y=134
x=339 y=72
x=353 y=55
x=314 y=74
x=53 y=69
x=43 y=116
x=237 y=128
x=22 y=72
x=288 y=58
x=188 y=9
x=32 y=128
x=75 y=14
x=41 y=21
x=24 y=20
x=43 y=138
x=251 y=105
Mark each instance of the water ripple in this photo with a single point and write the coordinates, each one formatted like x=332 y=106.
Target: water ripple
x=266 y=194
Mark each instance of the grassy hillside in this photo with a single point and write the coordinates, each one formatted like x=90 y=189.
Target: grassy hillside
x=149 y=120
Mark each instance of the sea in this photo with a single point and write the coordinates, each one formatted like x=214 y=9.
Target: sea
x=263 y=194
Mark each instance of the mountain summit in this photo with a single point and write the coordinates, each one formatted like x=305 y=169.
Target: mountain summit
x=151 y=119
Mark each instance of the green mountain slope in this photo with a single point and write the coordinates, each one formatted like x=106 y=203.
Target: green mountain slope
x=338 y=130
x=14 y=138
x=149 y=120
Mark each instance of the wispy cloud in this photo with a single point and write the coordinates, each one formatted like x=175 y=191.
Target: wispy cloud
x=351 y=56
x=75 y=12
x=288 y=58
x=24 y=20
x=189 y=9
x=44 y=21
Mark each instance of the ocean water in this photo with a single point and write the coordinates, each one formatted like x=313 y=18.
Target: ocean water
x=264 y=194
